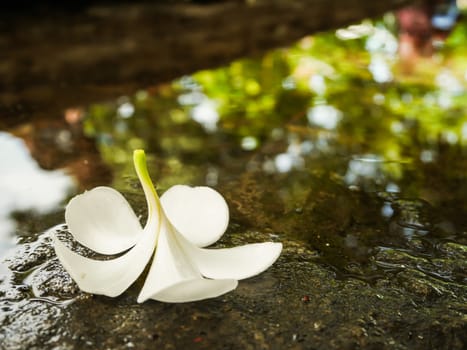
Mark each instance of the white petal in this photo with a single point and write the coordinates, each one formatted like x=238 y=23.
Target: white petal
x=237 y=263
x=102 y=220
x=198 y=213
x=109 y=277
x=174 y=278
x=194 y=290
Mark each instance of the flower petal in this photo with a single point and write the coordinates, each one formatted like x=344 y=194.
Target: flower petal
x=194 y=290
x=110 y=213
x=109 y=277
x=237 y=263
x=173 y=278
x=200 y=214
x=102 y=220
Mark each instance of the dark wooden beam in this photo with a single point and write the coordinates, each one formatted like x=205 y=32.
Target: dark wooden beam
x=58 y=59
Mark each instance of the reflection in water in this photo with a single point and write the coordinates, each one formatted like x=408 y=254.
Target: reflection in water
x=317 y=84
x=325 y=116
x=25 y=186
x=364 y=168
x=126 y=110
x=285 y=162
x=381 y=40
x=382 y=46
x=386 y=210
x=355 y=31
x=380 y=69
x=206 y=114
x=319 y=141
x=449 y=83
x=249 y=143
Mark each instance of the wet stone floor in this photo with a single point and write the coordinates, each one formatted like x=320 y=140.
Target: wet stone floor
x=353 y=157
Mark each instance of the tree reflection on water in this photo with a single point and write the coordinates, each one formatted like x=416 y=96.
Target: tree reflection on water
x=333 y=140
x=334 y=123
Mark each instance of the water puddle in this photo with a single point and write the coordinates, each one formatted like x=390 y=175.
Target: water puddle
x=351 y=155
x=336 y=145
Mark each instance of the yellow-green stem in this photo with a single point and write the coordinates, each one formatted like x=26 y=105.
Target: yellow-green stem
x=139 y=160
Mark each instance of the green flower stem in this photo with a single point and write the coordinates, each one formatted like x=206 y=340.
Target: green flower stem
x=139 y=160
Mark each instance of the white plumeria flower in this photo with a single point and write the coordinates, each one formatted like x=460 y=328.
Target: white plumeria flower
x=183 y=221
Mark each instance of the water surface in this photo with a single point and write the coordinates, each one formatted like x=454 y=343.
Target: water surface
x=353 y=156
x=337 y=141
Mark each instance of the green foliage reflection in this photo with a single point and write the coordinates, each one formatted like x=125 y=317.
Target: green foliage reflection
x=300 y=140
x=327 y=97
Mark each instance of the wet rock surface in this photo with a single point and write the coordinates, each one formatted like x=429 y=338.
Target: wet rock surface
x=301 y=302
